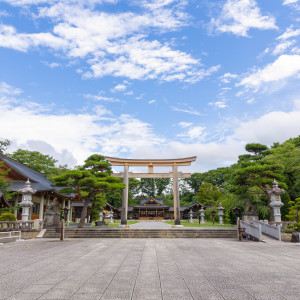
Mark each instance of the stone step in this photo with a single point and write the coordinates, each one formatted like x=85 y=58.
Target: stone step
x=143 y=233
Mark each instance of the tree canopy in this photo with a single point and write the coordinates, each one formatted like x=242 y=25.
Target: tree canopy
x=88 y=181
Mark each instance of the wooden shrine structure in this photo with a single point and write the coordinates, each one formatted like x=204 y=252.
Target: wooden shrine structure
x=151 y=163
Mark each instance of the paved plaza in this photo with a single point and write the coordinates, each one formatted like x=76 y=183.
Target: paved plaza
x=149 y=269
x=150 y=225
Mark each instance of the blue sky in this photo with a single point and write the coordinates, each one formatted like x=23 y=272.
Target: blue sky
x=149 y=78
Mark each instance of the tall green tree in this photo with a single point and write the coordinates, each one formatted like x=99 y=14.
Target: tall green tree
x=287 y=155
x=89 y=180
x=35 y=160
x=209 y=194
x=255 y=172
x=4 y=144
x=153 y=187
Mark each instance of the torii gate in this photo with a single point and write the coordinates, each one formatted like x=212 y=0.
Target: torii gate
x=174 y=163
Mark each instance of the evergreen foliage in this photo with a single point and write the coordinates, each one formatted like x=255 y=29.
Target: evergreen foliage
x=88 y=181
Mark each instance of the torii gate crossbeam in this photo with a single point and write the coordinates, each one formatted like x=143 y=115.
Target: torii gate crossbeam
x=150 y=163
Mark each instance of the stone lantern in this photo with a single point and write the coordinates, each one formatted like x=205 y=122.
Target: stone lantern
x=191 y=216
x=220 y=209
x=26 y=202
x=276 y=203
x=202 y=215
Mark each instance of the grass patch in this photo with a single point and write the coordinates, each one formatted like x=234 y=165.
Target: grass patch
x=117 y=223
x=196 y=224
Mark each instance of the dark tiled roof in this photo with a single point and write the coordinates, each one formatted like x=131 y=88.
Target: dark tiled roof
x=38 y=180
x=151 y=206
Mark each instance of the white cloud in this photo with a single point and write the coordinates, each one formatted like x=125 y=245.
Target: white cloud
x=284 y=67
x=116 y=44
x=272 y=127
x=51 y=65
x=9 y=38
x=218 y=104
x=227 y=77
x=72 y=137
x=193 y=133
x=288 y=2
x=282 y=47
x=6 y=89
x=290 y=32
x=187 y=110
x=152 y=101
x=119 y=88
x=101 y=98
x=239 y=16
x=185 y=124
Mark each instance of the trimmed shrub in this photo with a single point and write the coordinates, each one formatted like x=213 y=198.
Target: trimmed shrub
x=7 y=217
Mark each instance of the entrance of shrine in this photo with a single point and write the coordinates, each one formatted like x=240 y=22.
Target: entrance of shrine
x=151 y=163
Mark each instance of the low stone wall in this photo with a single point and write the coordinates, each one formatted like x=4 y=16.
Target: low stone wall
x=270 y=230
x=252 y=231
x=29 y=234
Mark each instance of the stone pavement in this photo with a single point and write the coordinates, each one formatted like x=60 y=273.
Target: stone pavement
x=150 y=225
x=149 y=269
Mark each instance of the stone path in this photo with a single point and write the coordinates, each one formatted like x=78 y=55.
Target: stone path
x=150 y=225
x=149 y=269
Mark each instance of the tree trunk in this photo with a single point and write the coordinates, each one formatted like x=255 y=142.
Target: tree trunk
x=84 y=212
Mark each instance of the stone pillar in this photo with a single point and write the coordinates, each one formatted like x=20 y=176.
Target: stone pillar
x=176 y=195
x=64 y=204
x=191 y=216
x=124 y=210
x=202 y=215
x=41 y=212
x=69 y=219
x=16 y=203
x=48 y=201
x=221 y=213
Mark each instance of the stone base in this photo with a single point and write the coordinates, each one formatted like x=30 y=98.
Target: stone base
x=177 y=226
x=124 y=226
x=295 y=237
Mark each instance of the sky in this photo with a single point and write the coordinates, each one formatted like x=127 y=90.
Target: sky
x=149 y=78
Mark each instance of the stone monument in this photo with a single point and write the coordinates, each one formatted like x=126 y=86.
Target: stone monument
x=249 y=213
x=52 y=215
x=220 y=209
x=202 y=215
x=276 y=203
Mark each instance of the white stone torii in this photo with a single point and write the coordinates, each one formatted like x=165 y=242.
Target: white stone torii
x=150 y=163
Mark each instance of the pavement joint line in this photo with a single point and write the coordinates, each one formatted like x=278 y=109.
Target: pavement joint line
x=137 y=274
x=180 y=273
x=128 y=252
x=71 y=246
x=246 y=290
x=56 y=254
x=158 y=271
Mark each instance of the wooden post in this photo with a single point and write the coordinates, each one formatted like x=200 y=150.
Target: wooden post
x=176 y=195
x=124 y=210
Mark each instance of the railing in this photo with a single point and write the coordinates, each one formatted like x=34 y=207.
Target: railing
x=270 y=230
x=251 y=230
x=14 y=225
x=11 y=235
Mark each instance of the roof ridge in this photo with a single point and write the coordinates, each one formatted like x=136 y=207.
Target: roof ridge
x=21 y=164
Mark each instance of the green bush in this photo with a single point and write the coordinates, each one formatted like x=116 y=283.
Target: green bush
x=7 y=217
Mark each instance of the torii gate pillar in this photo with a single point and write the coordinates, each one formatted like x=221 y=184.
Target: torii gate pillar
x=124 y=211
x=150 y=163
